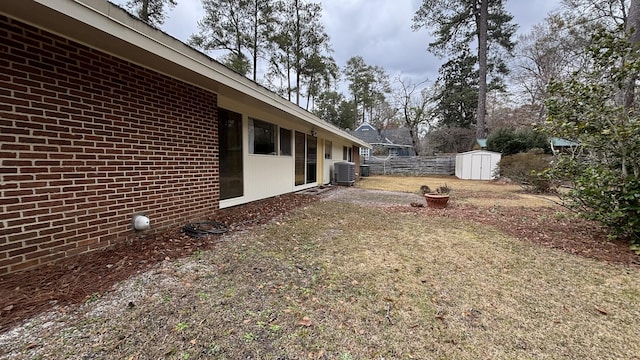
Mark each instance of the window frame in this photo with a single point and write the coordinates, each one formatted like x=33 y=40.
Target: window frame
x=328 y=150
x=285 y=147
x=271 y=131
x=347 y=154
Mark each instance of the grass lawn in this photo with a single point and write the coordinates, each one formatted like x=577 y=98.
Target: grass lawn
x=342 y=281
x=480 y=193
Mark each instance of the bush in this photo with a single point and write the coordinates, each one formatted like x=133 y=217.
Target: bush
x=601 y=194
x=509 y=141
x=527 y=169
x=589 y=109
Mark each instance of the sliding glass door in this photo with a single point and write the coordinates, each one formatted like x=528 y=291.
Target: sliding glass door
x=306 y=159
x=230 y=137
x=300 y=152
x=312 y=159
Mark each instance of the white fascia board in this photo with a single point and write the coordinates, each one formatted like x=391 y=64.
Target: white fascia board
x=113 y=20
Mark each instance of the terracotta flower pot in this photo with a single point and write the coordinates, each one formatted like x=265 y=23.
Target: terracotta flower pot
x=436 y=201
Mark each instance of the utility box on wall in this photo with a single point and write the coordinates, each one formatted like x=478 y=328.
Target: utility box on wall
x=477 y=165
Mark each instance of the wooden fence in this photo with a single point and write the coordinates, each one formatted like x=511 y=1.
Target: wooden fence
x=412 y=165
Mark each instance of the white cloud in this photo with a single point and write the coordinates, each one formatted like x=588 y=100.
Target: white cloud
x=182 y=21
x=378 y=30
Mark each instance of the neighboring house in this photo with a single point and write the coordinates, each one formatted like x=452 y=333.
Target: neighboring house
x=103 y=117
x=557 y=144
x=561 y=145
x=394 y=142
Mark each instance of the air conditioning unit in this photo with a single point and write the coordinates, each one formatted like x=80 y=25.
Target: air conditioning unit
x=345 y=173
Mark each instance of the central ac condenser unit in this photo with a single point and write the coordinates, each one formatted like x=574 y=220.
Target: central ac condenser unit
x=345 y=173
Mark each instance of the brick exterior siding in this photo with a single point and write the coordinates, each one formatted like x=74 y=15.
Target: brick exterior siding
x=87 y=140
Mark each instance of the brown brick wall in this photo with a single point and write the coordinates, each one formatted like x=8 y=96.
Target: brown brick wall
x=87 y=140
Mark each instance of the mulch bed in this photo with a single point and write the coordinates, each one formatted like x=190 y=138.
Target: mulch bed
x=551 y=227
x=73 y=280
x=76 y=279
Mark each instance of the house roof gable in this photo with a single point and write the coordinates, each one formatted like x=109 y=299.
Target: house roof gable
x=399 y=136
x=387 y=137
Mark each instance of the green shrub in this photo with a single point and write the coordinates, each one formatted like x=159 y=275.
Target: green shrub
x=601 y=194
x=589 y=109
x=509 y=141
x=527 y=169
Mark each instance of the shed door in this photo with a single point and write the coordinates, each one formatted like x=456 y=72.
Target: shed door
x=481 y=167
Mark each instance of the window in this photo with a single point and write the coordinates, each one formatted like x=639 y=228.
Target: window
x=364 y=152
x=327 y=149
x=346 y=153
x=285 y=142
x=230 y=135
x=262 y=137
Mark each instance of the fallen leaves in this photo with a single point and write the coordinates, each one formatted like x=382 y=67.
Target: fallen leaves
x=305 y=321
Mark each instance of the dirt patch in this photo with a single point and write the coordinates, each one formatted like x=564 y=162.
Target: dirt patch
x=377 y=198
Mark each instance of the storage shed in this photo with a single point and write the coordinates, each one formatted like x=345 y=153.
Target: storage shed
x=477 y=165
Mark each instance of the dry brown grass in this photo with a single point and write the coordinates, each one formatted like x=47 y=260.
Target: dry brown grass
x=343 y=281
x=479 y=193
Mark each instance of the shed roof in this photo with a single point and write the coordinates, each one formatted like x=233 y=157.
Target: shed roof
x=479 y=152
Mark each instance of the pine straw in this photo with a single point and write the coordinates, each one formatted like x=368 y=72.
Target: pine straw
x=76 y=279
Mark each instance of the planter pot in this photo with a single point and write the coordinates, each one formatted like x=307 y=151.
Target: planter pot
x=436 y=201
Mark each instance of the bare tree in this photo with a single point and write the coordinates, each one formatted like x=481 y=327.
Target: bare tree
x=589 y=13
x=552 y=50
x=416 y=106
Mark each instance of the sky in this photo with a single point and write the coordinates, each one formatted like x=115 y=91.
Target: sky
x=378 y=30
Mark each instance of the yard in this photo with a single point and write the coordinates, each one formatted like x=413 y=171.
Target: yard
x=360 y=274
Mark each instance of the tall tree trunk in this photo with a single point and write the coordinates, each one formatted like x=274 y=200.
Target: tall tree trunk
x=255 y=40
x=298 y=49
x=144 y=12
x=413 y=141
x=482 y=19
x=633 y=27
x=289 y=90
